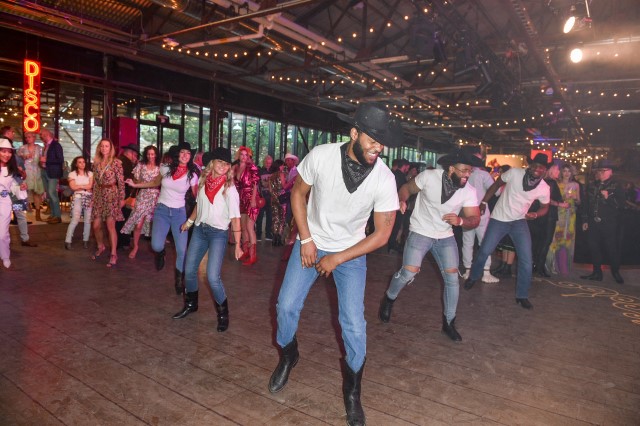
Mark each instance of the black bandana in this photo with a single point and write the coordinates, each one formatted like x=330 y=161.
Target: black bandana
x=353 y=173
x=448 y=188
x=529 y=181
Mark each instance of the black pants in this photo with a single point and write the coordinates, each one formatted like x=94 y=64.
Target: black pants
x=603 y=238
x=265 y=211
x=397 y=226
x=123 y=239
x=542 y=231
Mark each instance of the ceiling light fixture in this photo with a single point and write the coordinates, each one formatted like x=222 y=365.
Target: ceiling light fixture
x=576 y=55
x=579 y=17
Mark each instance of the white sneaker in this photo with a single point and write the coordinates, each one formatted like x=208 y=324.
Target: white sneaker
x=488 y=278
x=6 y=263
x=465 y=276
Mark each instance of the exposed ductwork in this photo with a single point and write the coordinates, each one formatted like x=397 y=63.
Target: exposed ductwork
x=218 y=41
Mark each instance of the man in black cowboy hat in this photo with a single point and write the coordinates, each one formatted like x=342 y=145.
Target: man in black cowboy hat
x=344 y=183
x=431 y=229
x=129 y=155
x=509 y=216
x=604 y=200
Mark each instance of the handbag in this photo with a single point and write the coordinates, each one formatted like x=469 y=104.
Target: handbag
x=260 y=201
x=130 y=202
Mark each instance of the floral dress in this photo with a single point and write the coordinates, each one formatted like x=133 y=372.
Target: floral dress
x=146 y=200
x=108 y=191
x=560 y=256
x=245 y=185
x=32 y=168
x=278 y=210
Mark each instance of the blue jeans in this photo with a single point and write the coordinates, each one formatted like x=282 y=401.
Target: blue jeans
x=51 y=188
x=518 y=230
x=165 y=218
x=445 y=252
x=350 y=278
x=214 y=240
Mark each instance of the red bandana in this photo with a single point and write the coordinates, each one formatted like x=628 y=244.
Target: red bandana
x=212 y=186
x=180 y=171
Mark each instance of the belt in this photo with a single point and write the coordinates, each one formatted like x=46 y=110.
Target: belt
x=107 y=186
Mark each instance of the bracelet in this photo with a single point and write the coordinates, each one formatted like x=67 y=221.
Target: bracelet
x=461 y=221
x=306 y=240
x=483 y=202
x=189 y=222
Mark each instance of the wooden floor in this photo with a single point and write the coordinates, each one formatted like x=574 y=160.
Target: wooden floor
x=84 y=345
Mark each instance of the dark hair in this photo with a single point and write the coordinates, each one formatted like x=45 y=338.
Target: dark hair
x=74 y=164
x=504 y=168
x=12 y=164
x=175 y=162
x=275 y=166
x=145 y=160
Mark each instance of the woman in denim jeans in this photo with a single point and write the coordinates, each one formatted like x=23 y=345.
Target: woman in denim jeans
x=218 y=204
x=174 y=180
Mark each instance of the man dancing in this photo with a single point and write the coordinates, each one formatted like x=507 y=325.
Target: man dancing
x=345 y=182
x=430 y=229
x=522 y=188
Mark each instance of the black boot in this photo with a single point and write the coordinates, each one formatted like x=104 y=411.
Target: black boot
x=179 y=281
x=498 y=269
x=351 y=385
x=223 y=315
x=159 y=260
x=596 y=275
x=469 y=283
x=449 y=329
x=190 y=304
x=288 y=360
x=386 y=304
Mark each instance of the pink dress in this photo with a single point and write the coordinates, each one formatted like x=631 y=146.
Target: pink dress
x=108 y=191
x=245 y=185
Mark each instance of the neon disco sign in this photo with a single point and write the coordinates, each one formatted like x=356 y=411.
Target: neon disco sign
x=31 y=112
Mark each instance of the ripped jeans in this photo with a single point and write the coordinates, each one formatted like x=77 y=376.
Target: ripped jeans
x=445 y=251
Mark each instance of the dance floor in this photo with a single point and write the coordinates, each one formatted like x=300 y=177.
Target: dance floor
x=81 y=344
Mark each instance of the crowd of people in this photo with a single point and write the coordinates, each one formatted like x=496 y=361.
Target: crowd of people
x=207 y=201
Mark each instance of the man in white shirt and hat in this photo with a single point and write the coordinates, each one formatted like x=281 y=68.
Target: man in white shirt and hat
x=344 y=183
x=521 y=188
x=444 y=200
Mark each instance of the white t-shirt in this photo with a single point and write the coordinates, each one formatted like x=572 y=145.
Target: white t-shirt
x=172 y=192
x=481 y=180
x=81 y=180
x=336 y=218
x=426 y=218
x=224 y=208
x=514 y=202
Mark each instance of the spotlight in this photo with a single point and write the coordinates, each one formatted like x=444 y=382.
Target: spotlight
x=570 y=22
x=576 y=55
x=579 y=17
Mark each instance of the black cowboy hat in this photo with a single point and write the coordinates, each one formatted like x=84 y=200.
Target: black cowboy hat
x=460 y=156
x=541 y=159
x=373 y=119
x=174 y=150
x=133 y=147
x=605 y=163
x=218 y=153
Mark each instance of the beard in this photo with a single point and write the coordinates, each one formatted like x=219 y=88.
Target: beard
x=359 y=153
x=457 y=181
